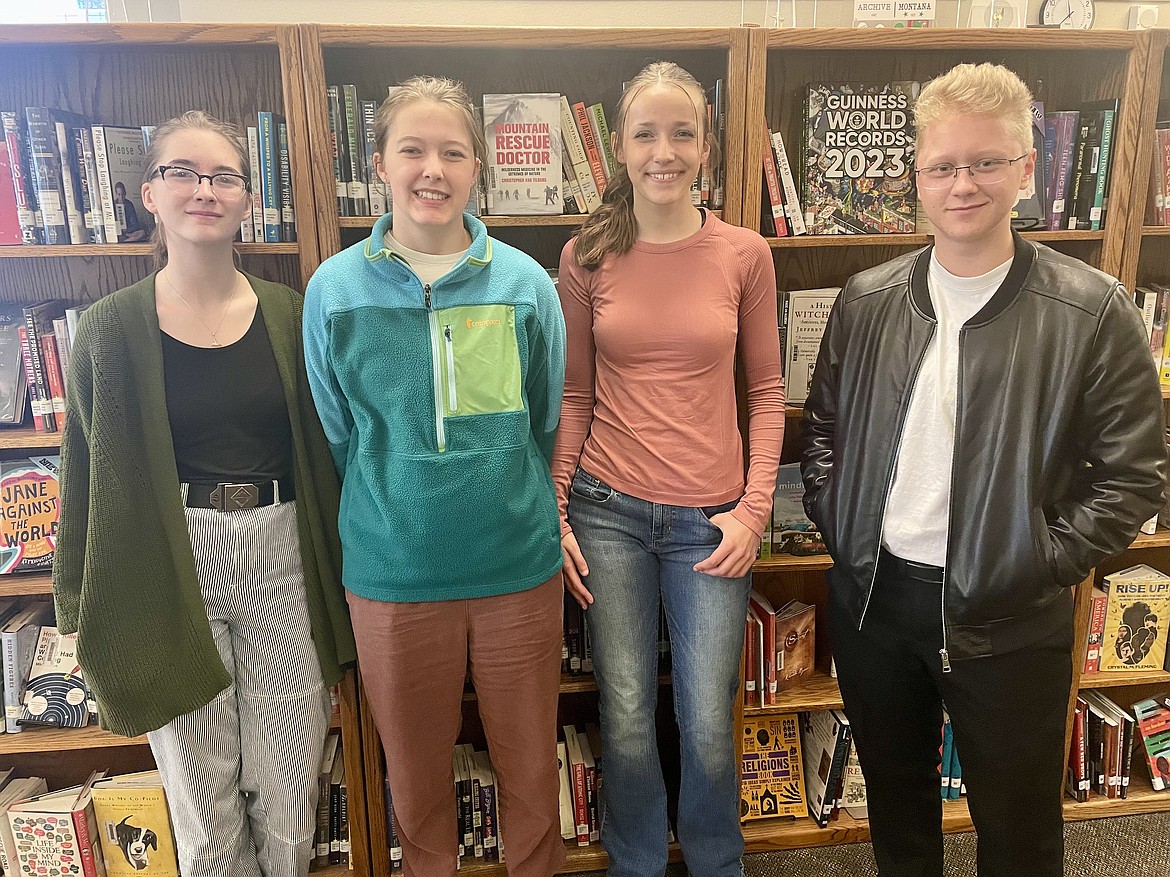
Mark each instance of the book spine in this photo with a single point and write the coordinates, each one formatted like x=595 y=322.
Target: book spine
x=1096 y=632
x=37 y=403
x=592 y=152
x=792 y=208
x=257 y=185
x=10 y=229
x=334 y=855
x=321 y=827
x=95 y=218
x=74 y=217
x=1163 y=149
x=288 y=216
x=346 y=847
x=378 y=204
x=105 y=187
x=10 y=654
x=266 y=145
x=1157 y=183
x=46 y=165
x=83 y=822
x=340 y=161
x=55 y=375
x=27 y=210
x=359 y=193
x=601 y=135
x=1097 y=214
x=392 y=831
x=491 y=848
x=772 y=179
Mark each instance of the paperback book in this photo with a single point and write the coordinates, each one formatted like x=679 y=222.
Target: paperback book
x=523 y=133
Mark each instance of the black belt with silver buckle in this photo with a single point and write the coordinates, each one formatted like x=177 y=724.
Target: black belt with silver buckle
x=233 y=496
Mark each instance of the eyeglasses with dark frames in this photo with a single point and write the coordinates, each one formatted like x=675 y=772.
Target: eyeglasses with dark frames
x=185 y=182
x=985 y=172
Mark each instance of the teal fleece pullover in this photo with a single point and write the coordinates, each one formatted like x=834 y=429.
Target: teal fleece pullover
x=440 y=404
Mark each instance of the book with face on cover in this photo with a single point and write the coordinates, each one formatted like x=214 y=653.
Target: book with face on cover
x=134 y=826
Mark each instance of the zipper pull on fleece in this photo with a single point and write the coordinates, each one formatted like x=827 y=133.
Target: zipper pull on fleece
x=427 y=295
x=946 y=660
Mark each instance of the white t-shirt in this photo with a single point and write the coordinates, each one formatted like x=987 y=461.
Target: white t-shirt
x=428 y=267
x=917 y=513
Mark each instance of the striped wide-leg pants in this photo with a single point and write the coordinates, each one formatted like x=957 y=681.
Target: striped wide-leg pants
x=241 y=772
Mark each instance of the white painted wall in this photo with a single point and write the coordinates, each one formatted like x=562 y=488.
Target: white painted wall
x=561 y=13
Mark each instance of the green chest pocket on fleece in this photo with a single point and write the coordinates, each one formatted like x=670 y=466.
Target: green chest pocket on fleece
x=481 y=360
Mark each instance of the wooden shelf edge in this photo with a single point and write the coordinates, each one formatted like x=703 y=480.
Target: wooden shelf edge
x=818 y=692
x=1142 y=799
x=22 y=438
x=33 y=740
x=792 y=563
x=787 y=833
x=1118 y=678
x=57 y=251
x=26 y=584
x=545 y=221
x=1155 y=231
x=808 y=241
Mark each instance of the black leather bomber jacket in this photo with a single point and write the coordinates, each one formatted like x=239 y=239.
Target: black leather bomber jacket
x=1060 y=451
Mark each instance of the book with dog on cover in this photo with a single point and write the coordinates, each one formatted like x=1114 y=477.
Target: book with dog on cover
x=134 y=826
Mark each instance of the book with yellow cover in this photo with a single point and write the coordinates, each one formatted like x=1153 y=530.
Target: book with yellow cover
x=772 y=784
x=135 y=827
x=1135 y=621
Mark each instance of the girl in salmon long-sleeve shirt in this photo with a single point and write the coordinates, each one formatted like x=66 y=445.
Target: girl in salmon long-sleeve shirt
x=659 y=297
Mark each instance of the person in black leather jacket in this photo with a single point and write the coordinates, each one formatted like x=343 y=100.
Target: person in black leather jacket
x=984 y=426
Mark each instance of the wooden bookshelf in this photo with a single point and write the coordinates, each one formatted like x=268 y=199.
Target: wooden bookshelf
x=135 y=74
x=793 y=563
x=1142 y=799
x=910 y=240
x=819 y=692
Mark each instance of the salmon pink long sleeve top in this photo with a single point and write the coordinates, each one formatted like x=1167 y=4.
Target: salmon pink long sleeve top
x=650 y=403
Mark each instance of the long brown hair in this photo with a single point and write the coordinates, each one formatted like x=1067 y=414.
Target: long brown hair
x=611 y=228
x=192 y=120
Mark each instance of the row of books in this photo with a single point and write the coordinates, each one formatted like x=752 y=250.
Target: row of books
x=545 y=155
x=1154 y=301
x=858 y=158
x=65 y=181
x=331 y=844
x=577 y=650
x=1159 y=200
x=1104 y=736
x=805 y=764
x=117 y=826
x=1127 y=621
x=35 y=342
x=779 y=648
x=42 y=685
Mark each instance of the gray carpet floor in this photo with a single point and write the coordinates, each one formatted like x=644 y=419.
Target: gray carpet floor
x=1129 y=846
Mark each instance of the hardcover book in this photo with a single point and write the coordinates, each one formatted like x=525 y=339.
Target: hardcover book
x=523 y=133
x=55 y=835
x=1153 y=721
x=135 y=826
x=795 y=643
x=29 y=508
x=772 y=783
x=858 y=160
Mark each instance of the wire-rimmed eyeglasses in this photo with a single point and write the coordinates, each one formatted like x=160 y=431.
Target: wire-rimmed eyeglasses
x=985 y=172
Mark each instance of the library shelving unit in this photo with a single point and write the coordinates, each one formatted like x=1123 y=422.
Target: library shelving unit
x=139 y=74
x=587 y=64
x=1064 y=68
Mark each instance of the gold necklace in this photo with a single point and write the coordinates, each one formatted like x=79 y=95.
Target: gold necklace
x=214 y=332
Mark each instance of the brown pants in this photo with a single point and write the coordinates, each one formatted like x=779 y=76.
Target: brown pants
x=413 y=659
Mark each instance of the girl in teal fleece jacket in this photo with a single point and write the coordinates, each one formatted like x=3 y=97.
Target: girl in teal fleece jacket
x=436 y=359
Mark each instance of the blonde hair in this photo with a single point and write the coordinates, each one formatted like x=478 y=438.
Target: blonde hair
x=977 y=90
x=192 y=120
x=611 y=228
x=438 y=90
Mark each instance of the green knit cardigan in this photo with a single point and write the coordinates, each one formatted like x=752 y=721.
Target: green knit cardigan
x=124 y=574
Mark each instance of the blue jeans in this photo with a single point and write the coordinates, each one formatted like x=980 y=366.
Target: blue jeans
x=638 y=553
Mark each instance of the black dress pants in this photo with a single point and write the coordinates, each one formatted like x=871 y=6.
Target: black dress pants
x=1008 y=713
